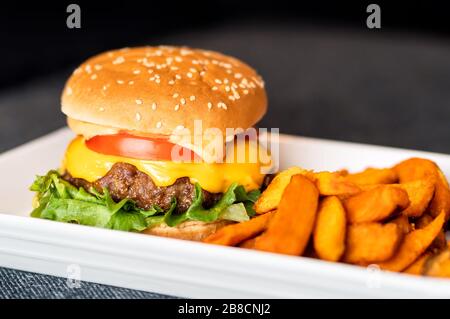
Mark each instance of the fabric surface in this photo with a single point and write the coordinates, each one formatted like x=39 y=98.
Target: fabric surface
x=21 y=284
x=378 y=88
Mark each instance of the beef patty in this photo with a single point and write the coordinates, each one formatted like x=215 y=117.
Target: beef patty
x=124 y=180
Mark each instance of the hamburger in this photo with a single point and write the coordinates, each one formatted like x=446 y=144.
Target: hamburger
x=139 y=161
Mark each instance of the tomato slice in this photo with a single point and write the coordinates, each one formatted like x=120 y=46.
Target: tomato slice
x=139 y=147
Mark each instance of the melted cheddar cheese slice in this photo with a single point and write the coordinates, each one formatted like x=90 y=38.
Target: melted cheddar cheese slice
x=81 y=162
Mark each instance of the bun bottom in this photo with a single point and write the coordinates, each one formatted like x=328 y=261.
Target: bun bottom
x=189 y=230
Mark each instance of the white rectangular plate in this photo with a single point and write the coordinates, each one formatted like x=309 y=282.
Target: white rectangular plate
x=188 y=269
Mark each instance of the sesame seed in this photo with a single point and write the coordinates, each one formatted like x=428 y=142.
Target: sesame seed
x=218 y=81
x=158 y=125
x=183 y=101
x=214 y=88
x=138 y=116
x=118 y=60
x=119 y=82
x=174 y=68
x=158 y=81
x=245 y=91
x=153 y=106
x=225 y=81
x=231 y=97
x=98 y=67
x=193 y=70
x=209 y=105
x=130 y=82
x=189 y=75
x=136 y=71
x=139 y=102
x=178 y=77
x=175 y=95
x=171 y=82
x=202 y=73
x=150 y=71
x=227 y=88
x=222 y=105
x=238 y=75
x=185 y=52
x=93 y=76
x=178 y=59
x=229 y=71
x=105 y=87
x=177 y=107
x=192 y=98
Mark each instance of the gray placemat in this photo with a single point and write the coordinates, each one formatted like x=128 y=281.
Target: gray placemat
x=22 y=284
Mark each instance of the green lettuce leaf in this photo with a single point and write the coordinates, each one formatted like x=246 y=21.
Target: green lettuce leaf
x=236 y=212
x=234 y=205
x=60 y=201
x=248 y=199
x=57 y=199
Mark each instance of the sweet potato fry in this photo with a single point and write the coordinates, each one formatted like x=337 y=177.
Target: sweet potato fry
x=403 y=223
x=271 y=197
x=413 y=245
x=419 y=168
x=290 y=229
x=441 y=199
x=249 y=243
x=418 y=267
x=372 y=176
x=376 y=204
x=423 y=221
x=333 y=183
x=420 y=193
x=439 y=265
x=235 y=233
x=329 y=232
x=372 y=242
x=440 y=242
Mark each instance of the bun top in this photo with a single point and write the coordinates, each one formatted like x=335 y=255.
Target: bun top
x=157 y=90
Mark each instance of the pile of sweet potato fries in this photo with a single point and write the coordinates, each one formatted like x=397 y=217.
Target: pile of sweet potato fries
x=392 y=217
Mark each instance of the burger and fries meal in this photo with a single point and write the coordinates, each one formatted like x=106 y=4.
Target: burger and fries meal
x=120 y=172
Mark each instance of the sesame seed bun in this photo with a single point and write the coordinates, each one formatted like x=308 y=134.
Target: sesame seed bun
x=189 y=230
x=156 y=90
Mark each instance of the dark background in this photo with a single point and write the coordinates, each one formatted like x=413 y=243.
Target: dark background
x=327 y=74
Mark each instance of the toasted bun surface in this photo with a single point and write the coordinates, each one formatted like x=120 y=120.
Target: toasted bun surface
x=189 y=230
x=159 y=89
